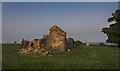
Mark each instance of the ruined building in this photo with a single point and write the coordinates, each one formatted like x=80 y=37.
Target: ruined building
x=56 y=39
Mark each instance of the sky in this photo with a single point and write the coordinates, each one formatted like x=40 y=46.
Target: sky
x=0 y=35
x=0 y=21
x=60 y=0
x=80 y=20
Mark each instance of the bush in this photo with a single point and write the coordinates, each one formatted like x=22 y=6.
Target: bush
x=77 y=43
x=102 y=44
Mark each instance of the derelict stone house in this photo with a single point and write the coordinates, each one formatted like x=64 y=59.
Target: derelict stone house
x=56 y=39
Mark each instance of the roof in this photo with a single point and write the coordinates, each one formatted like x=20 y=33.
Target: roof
x=54 y=27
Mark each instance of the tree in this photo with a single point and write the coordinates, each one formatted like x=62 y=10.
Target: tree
x=113 y=32
x=77 y=43
x=101 y=44
x=72 y=40
x=15 y=42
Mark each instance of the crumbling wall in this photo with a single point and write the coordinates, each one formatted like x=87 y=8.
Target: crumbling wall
x=34 y=44
x=56 y=39
x=24 y=44
x=69 y=44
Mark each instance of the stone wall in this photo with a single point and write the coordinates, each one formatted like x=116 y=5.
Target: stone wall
x=56 y=39
x=34 y=44
x=69 y=44
x=24 y=44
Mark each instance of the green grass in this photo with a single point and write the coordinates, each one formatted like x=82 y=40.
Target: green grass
x=0 y=56
x=92 y=57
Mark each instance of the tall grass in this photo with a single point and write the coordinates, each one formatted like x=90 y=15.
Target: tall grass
x=92 y=57
x=0 y=56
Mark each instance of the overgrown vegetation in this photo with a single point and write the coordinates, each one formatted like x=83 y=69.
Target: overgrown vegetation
x=82 y=57
x=76 y=43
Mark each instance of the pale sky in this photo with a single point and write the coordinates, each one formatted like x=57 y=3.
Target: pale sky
x=0 y=22
x=81 y=20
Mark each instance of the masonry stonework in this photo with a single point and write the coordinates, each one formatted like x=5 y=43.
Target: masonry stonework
x=56 y=39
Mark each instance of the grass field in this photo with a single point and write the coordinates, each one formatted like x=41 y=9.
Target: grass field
x=92 y=57
x=0 y=56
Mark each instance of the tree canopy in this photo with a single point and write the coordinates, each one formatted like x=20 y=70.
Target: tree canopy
x=113 y=31
x=77 y=43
